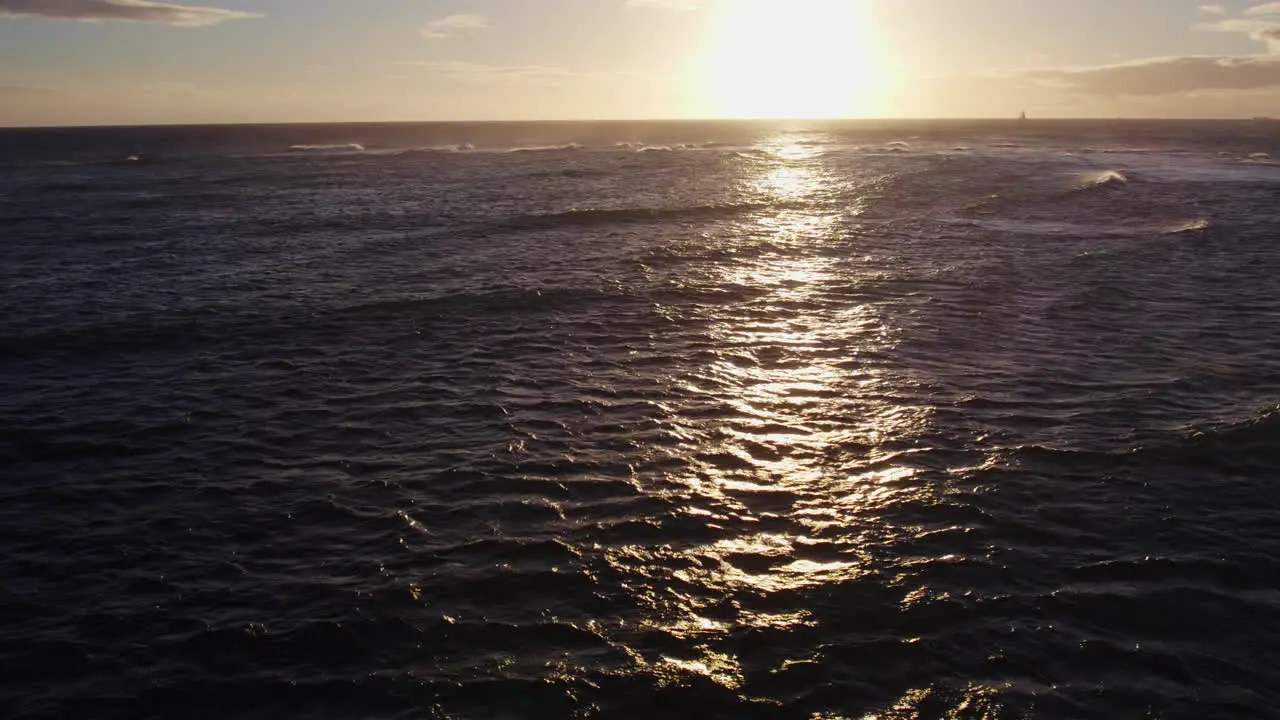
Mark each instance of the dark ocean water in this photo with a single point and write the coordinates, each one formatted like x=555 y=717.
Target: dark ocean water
x=966 y=420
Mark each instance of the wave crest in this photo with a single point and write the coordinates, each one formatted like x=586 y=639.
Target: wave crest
x=437 y=150
x=1106 y=178
x=1260 y=433
x=330 y=149
x=1189 y=226
x=625 y=216
x=570 y=147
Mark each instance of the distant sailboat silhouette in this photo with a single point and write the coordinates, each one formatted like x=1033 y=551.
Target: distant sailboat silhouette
x=1022 y=117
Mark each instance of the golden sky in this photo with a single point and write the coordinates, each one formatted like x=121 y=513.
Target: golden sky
x=134 y=61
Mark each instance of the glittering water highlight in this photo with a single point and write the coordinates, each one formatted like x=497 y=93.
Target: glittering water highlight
x=609 y=420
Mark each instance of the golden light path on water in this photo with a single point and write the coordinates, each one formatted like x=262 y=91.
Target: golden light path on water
x=798 y=407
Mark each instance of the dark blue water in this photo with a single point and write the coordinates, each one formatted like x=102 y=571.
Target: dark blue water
x=968 y=420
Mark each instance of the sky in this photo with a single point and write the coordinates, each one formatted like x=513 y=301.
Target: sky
x=126 y=62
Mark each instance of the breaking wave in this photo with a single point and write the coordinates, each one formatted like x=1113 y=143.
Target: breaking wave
x=1106 y=178
x=1189 y=227
x=437 y=149
x=329 y=149
x=1257 y=436
x=568 y=147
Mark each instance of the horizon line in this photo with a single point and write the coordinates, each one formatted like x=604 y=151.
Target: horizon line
x=656 y=120
x=653 y=121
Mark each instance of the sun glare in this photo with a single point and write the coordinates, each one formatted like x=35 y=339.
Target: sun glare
x=793 y=59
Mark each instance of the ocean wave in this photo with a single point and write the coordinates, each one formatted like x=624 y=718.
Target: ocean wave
x=573 y=172
x=208 y=327
x=626 y=216
x=436 y=149
x=353 y=148
x=677 y=147
x=125 y=161
x=1106 y=178
x=1249 y=444
x=1188 y=227
x=330 y=149
x=701 y=425
x=569 y=147
x=1034 y=192
x=1134 y=151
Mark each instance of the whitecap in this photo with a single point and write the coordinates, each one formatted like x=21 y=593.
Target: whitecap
x=328 y=148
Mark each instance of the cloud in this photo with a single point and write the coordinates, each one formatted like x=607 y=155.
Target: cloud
x=124 y=10
x=1258 y=29
x=664 y=4
x=1260 y=22
x=1168 y=75
x=451 y=25
x=1267 y=9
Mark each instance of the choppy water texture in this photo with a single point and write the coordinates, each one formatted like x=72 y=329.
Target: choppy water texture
x=704 y=420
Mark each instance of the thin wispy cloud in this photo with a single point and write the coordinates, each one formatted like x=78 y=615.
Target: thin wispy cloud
x=1186 y=74
x=452 y=25
x=1168 y=75
x=1256 y=28
x=1267 y=9
x=1260 y=22
x=122 y=10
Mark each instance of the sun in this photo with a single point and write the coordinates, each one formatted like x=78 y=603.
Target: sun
x=792 y=59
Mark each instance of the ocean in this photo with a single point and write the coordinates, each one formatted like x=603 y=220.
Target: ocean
x=631 y=420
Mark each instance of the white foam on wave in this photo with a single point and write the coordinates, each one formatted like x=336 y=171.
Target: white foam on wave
x=328 y=148
x=1103 y=179
x=433 y=149
x=619 y=146
x=545 y=148
x=1187 y=227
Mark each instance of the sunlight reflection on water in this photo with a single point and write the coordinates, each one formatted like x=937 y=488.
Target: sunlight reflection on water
x=802 y=425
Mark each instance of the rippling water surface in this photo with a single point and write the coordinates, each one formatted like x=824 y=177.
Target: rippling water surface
x=707 y=420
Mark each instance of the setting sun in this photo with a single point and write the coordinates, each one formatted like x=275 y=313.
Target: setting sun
x=799 y=59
